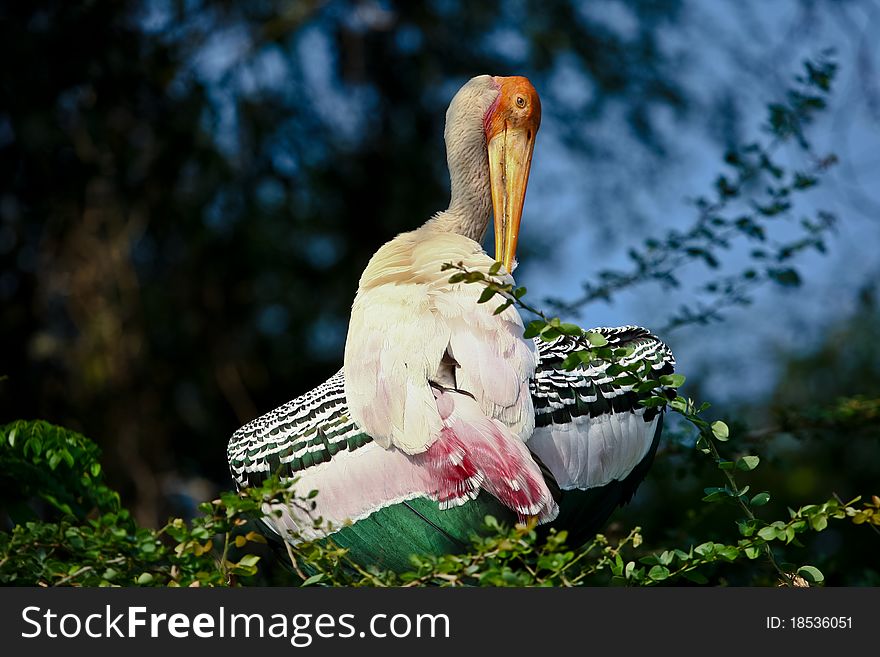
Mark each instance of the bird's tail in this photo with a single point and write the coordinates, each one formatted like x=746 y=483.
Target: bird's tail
x=474 y=452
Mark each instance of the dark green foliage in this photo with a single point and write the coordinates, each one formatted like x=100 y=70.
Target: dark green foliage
x=47 y=472
x=100 y=547
x=64 y=526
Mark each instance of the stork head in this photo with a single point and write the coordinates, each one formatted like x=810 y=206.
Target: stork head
x=494 y=119
x=510 y=125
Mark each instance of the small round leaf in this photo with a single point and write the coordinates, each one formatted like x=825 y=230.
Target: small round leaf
x=720 y=430
x=812 y=574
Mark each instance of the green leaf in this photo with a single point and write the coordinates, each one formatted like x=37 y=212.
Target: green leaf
x=487 y=294
x=696 y=577
x=746 y=527
x=646 y=386
x=720 y=430
x=679 y=404
x=713 y=494
x=760 y=499
x=314 y=579
x=729 y=553
x=577 y=358
x=812 y=574
x=61 y=506
x=249 y=560
x=748 y=462
x=753 y=552
x=705 y=549
x=494 y=269
x=596 y=339
x=534 y=328
x=570 y=329
x=702 y=444
x=11 y=437
x=673 y=380
x=504 y=306
x=767 y=533
x=144 y=579
x=658 y=573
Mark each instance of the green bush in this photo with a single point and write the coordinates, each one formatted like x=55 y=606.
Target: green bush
x=68 y=529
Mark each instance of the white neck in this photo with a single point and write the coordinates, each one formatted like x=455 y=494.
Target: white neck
x=470 y=204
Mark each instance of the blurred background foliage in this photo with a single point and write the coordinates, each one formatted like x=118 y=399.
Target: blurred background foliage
x=190 y=189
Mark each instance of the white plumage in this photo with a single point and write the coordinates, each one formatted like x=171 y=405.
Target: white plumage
x=410 y=327
x=589 y=452
x=429 y=370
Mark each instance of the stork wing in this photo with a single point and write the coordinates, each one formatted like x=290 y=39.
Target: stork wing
x=590 y=429
x=592 y=434
x=313 y=442
x=371 y=498
x=301 y=434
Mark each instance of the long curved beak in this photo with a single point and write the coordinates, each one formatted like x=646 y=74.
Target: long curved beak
x=510 y=159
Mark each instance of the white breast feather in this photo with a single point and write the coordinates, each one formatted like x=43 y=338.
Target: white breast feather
x=405 y=317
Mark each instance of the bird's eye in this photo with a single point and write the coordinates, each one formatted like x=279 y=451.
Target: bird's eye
x=520 y=102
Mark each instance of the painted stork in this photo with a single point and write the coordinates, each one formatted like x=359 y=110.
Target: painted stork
x=443 y=413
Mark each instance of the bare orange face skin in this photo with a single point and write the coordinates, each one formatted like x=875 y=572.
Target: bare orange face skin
x=517 y=105
x=511 y=125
